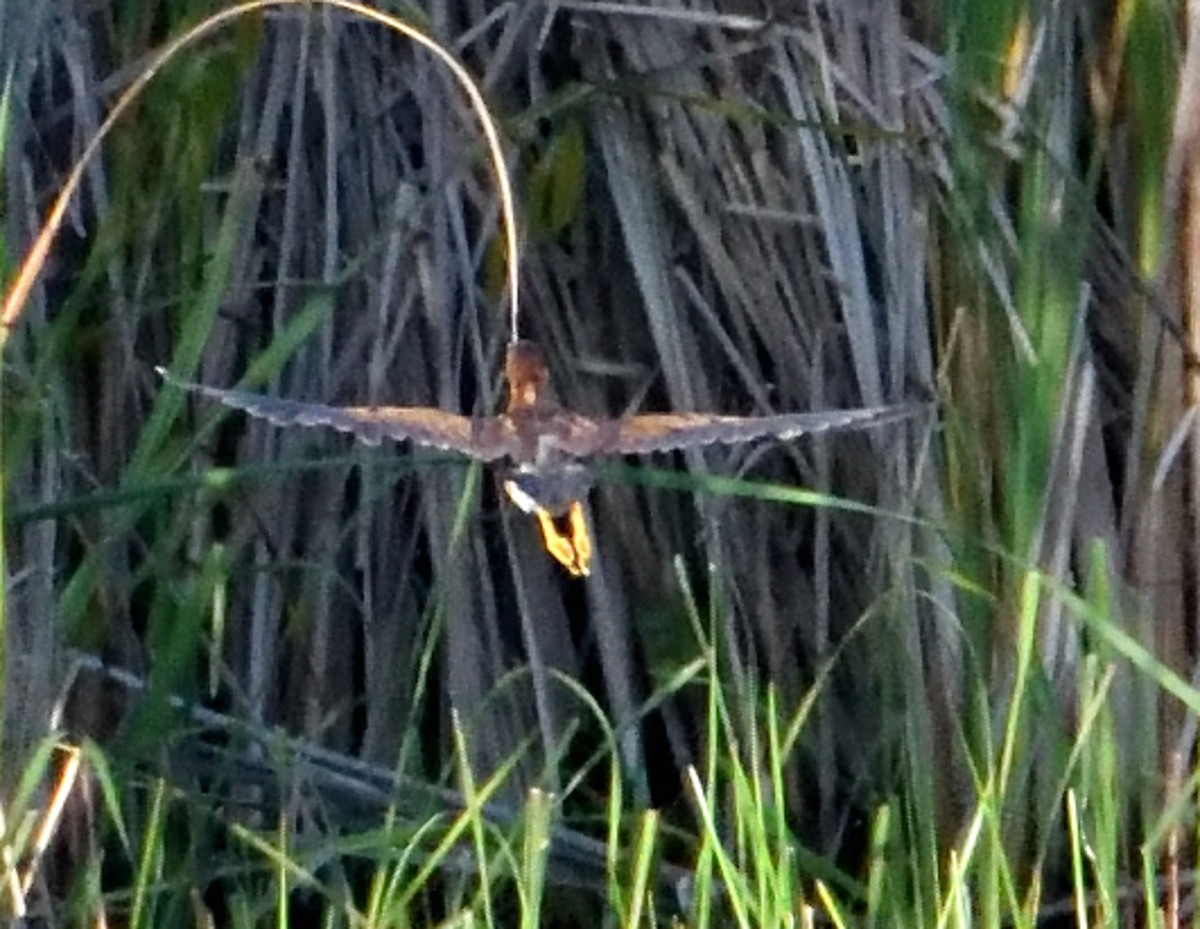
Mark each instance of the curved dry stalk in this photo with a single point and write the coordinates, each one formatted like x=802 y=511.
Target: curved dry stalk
x=18 y=292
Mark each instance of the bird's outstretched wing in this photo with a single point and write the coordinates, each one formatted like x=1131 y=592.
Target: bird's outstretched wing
x=485 y=439
x=659 y=432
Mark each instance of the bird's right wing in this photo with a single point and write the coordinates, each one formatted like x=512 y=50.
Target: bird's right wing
x=485 y=439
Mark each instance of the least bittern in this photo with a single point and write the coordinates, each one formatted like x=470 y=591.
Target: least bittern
x=549 y=448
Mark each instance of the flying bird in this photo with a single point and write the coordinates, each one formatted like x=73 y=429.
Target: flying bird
x=548 y=448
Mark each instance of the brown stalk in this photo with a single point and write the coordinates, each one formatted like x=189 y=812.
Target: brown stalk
x=18 y=292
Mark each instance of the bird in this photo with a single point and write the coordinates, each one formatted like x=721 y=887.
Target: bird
x=547 y=447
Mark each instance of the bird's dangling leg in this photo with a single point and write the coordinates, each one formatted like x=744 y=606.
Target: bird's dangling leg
x=581 y=538
x=573 y=552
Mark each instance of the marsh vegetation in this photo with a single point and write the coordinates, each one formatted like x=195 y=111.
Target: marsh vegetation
x=938 y=673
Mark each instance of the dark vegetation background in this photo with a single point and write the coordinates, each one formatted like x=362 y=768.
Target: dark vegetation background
x=979 y=205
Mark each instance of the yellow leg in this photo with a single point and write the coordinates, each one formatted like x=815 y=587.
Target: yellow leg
x=572 y=553
x=581 y=539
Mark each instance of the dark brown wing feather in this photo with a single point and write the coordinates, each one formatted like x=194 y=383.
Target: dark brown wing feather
x=485 y=439
x=657 y=432
x=580 y=436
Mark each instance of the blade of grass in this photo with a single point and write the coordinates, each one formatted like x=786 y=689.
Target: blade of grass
x=643 y=858
x=5 y=105
x=466 y=784
x=141 y=911
x=535 y=847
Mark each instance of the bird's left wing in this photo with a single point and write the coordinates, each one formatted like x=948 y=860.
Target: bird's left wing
x=485 y=439
x=657 y=432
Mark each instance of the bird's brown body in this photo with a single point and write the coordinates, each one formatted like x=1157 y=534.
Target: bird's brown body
x=549 y=447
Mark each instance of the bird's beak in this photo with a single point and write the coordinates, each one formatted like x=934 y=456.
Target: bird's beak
x=574 y=551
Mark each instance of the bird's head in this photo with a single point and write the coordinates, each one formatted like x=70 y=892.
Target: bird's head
x=525 y=370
